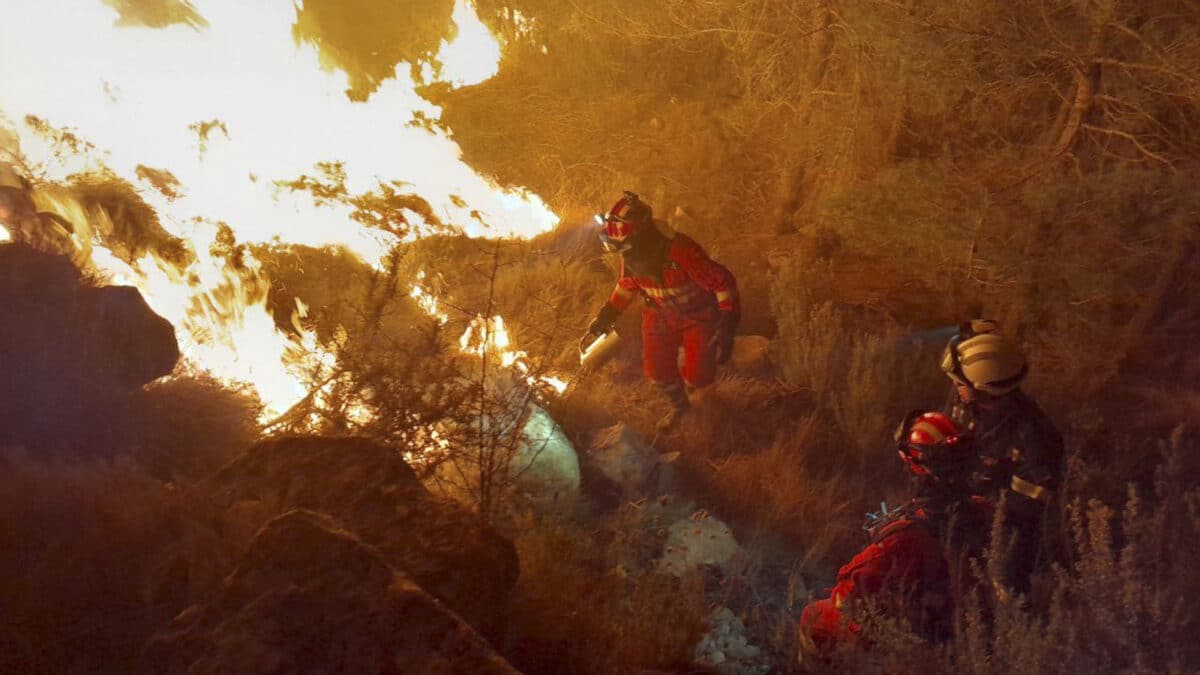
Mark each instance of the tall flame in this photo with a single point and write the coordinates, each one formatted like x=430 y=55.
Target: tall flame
x=228 y=110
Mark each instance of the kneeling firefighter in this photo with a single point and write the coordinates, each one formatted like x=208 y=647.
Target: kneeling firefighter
x=690 y=301
x=916 y=553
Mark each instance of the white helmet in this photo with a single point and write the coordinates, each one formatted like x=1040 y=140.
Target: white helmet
x=984 y=360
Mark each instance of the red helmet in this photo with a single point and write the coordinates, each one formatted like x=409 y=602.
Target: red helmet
x=623 y=221
x=930 y=443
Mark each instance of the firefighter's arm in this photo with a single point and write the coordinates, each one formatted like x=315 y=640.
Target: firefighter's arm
x=862 y=577
x=1037 y=461
x=709 y=275
x=623 y=294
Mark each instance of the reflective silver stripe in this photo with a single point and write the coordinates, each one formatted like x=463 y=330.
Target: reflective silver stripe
x=1031 y=490
x=971 y=359
x=623 y=292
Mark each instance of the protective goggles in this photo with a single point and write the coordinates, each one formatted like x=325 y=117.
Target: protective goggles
x=611 y=245
x=951 y=365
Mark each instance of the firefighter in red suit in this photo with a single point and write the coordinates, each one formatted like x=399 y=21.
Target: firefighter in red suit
x=690 y=301
x=903 y=572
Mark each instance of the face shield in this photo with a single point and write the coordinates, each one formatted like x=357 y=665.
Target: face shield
x=610 y=244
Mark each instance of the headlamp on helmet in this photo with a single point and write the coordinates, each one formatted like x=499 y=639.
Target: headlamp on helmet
x=623 y=222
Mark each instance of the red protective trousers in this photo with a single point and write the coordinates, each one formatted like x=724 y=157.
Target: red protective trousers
x=905 y=558
x=664 y=332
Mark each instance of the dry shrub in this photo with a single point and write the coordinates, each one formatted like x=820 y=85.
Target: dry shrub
x=547 y=290
x=101 y=552
x=548 y=301
x=90 y=563
x=1122 y=603
x=616 y=393
x=736 y=415
x=572 y=615
x=865 y=373
x=190 y=426
x=774 y=489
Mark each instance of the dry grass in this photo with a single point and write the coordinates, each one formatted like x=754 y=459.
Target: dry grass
x=574 y=615
x=1123 y=604
x=95 y=558
x=189 y=426
x=101 y=552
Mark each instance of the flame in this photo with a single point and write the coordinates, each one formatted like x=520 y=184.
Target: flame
x=427 y=301
x=473 y=56
x=228 y=110
x=488 y=337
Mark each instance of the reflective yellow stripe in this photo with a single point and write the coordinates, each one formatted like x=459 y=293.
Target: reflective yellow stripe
x=1031 y=490
x=724 y=296
x=664 y=292
x=623 y=292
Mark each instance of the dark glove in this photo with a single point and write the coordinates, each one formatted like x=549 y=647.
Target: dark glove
x=722 y=339
x=604 y=322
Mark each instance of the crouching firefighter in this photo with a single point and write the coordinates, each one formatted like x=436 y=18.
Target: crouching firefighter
x=904 y=574
x=690 y=302
x=1019 y=445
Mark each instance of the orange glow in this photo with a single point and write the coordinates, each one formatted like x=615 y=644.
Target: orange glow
x=473 y=55
x=141 y=96
x=489 y=337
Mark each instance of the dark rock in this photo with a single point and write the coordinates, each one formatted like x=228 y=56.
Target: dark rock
x=70 y=351
x=373 y=493
x=310 y=597
x=136 y=345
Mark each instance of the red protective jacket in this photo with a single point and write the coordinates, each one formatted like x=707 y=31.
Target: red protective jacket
x=689 y=283
x=902 y=570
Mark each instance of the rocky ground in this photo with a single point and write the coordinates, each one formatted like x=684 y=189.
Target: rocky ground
x=322 y=554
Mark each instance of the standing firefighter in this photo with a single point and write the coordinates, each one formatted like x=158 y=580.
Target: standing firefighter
x=1019 y=445
x=903 y=574
x=690 y=301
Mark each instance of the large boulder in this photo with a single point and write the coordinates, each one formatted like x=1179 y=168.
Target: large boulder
x=373 y=493
x=621 y=466
x=700 y=540
x=70 y=351
x=546 y=466
x=542 y=467
x=751 y=354
x=310 y=597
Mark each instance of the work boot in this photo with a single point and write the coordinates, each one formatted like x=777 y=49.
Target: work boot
x=697 y=395
x=671 y=419
x=678 y=398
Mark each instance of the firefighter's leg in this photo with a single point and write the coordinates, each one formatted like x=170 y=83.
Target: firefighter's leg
x=699 y=356
x=660 y=347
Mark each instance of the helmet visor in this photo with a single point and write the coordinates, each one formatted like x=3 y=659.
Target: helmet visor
x=951 y=365
x=612 y=245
